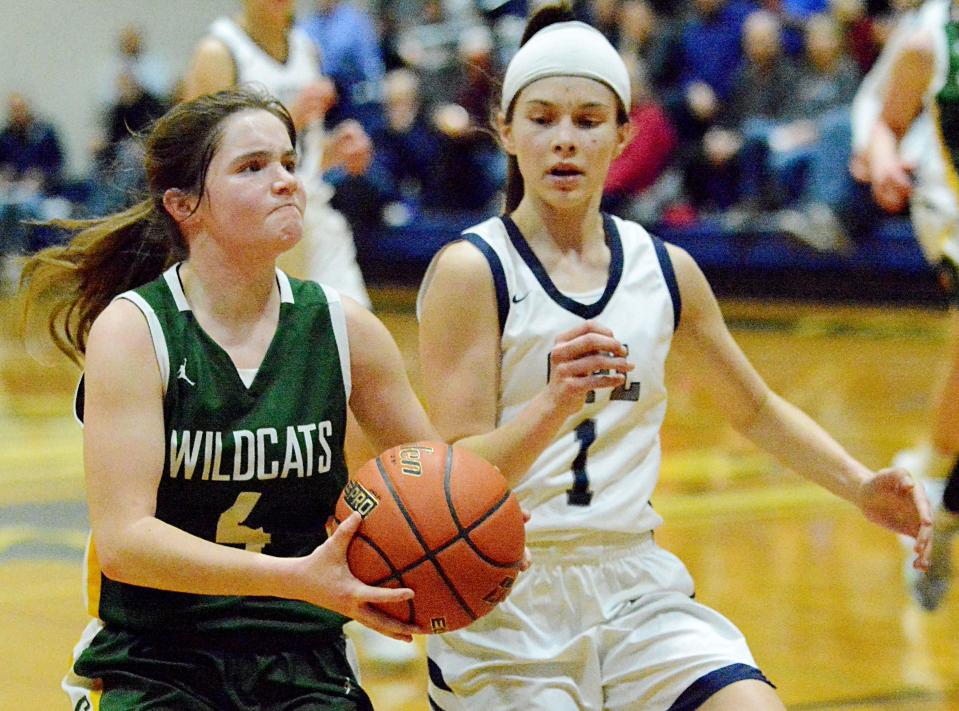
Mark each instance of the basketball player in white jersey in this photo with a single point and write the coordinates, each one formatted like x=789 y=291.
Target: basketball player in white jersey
x=604 y=618
x=925 y=74
x=261 y=46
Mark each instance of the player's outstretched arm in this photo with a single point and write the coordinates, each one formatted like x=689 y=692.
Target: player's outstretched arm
x=460 y=354
x=889 y=498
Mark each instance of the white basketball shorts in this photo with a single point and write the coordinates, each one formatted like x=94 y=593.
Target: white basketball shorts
x=607 y=626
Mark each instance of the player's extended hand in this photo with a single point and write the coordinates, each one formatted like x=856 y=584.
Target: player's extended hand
x=892 y=185
x=892 y=499
x=334 y=587
x=585 y=358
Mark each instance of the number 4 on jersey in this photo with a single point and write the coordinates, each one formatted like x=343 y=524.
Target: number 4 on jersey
x=230 y=528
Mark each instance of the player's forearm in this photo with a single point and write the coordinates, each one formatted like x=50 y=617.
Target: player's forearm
x=883 y=145
x=150 y=553
x=515 y=445
x=799 y=443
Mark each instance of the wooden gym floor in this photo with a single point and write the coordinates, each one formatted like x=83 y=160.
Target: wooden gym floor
x=818 y=592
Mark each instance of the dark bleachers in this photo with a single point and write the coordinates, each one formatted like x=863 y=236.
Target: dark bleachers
x=887 y=265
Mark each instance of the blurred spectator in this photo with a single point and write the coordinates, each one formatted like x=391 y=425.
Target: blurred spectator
x=406 y=149
x=604 y=16
x=831 y=207
x=765 y=85
x=441 y=158
x=135 y=109
x=388 y=32
x=862 y=31
x=31 y=174
x=472 y=166
x=710 y=54
x=137 y=66
x=30 y=153
x=712 y=44
x=118 y=179
x=645 y=157
x=763 y=95
x=651 y=39
x=350 y=54
x=479 y=82
x=430 y=47
x=828 y=78
x=137 y=90
x=794 y=14
x=780 y=154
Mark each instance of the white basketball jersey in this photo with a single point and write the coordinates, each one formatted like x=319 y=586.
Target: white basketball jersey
x=284 y=80
x=600 y=471
x=868 y=102
x=935 y=199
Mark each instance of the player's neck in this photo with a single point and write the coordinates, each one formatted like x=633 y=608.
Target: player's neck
x=568 y=229
x=229 y=291
x=267 y=33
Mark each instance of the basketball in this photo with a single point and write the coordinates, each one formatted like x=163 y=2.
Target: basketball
x=441 y=521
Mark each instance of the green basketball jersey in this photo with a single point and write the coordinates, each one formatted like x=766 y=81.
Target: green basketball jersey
x=256 y=467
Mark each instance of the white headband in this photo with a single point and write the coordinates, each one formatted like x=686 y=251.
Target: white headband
x=566 y=49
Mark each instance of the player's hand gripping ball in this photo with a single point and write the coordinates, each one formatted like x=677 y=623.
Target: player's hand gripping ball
x=441 y=521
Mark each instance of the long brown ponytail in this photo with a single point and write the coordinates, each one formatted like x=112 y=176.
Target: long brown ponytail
x=110 y=255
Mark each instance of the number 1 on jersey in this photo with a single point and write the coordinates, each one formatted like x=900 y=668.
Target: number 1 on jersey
x=580 y=494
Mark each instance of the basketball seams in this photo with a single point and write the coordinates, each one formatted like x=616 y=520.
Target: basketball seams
x=443 y=546
x=464 y=535
x=469 y=541
x=464 y=532
x=430 y=555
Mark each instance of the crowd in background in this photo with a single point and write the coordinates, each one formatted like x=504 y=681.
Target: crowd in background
x=741 y=111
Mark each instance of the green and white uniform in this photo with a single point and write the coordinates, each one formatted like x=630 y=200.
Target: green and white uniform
x=931 y=143
x=255 y=465
x=935 y=199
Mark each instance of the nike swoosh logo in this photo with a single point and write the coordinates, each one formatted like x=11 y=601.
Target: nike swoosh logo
x=517 y=299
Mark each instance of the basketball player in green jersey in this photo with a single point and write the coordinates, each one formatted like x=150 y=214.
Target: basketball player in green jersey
x=214 y=403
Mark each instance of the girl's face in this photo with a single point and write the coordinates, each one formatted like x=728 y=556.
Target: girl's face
x=253 y=197
x=564 y=134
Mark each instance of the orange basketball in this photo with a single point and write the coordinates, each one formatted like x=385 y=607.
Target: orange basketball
x=441 y=521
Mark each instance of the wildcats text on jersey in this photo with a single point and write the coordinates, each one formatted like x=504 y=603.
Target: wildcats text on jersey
x=200 y=453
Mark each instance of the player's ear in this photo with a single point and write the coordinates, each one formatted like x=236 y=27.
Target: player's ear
x=505 y=133
x=624 y=135
x=181 y=205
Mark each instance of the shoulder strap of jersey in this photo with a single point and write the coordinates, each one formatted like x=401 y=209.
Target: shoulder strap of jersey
x=499 y=275
x=669 y=275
